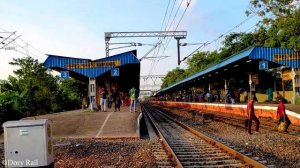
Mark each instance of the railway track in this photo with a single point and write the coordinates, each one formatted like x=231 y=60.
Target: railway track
x=189 y=148
x=293 y=131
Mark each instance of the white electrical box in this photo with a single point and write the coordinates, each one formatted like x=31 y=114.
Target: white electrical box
x=28 y=143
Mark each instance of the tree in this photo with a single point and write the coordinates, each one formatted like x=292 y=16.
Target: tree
x=285 y=32
x=278 y=8
x=41 y=86
x=72 y=92
x=173 y=76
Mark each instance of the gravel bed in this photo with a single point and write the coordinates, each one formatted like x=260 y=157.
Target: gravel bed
x=90 y=153
x=269 y=146
x=104 y=153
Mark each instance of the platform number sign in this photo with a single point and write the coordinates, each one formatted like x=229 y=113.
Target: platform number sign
x=64 y=74
x=263 y=65
x=115 y=72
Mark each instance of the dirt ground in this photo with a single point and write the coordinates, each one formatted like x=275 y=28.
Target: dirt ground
x=85 y=124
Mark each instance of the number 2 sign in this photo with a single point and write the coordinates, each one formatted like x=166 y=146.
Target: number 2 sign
x=115 y=72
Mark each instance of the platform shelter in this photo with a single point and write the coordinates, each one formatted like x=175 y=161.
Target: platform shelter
x=249 y=69
x=121 y=71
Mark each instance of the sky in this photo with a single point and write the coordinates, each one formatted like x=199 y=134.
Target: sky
x=75 y=28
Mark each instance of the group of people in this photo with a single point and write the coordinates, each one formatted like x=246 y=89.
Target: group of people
x=281 y=114
x=117 y=99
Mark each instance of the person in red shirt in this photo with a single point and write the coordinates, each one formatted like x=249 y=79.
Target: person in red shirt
x=281 y=115
x=251 y=115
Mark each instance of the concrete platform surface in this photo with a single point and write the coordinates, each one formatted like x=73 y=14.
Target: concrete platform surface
x=85 y=124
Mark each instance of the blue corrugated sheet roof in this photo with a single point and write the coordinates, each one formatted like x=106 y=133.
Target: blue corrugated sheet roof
x=88 y=67
x=282 y=56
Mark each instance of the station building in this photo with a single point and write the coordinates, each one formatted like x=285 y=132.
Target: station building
x=120 y=71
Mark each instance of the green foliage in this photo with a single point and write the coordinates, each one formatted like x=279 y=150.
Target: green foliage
x=73 y=91
x=276 y=7
x=173 y=76
x=285 y=32
x=34 y=91
x=200 y=61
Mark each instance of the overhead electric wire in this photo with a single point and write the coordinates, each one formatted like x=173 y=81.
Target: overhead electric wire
x=167 y=23
x=26 y=44
x=169 y=39
x=165 y=15
x=159 y=39
x=188 y=3
x=222 y=35
x=158 y=45
x=165 y=47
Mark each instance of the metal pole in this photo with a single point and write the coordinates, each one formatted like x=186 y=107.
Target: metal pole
x=107 y=47
x=107 y=36
x=178 y=50
x=178 y=47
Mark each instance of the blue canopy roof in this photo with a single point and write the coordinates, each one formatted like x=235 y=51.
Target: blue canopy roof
x=281 y=56
x=89 y=68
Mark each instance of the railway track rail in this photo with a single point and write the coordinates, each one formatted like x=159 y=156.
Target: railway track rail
x=189 y=148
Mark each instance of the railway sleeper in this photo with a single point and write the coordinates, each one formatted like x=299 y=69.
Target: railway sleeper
x=163 y=164
x=205 y=156
x=161 y=159
x=214 y=166
x=205 y=159
x=159 y=153
x=212 y=150
x=200 y=158
x=219 y=162
x=199 y=152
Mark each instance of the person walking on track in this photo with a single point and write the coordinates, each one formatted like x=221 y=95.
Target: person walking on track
x=281 y=115
x=251 y=115
x=132 y=94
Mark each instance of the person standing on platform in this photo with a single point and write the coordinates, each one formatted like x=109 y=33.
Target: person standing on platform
x=104 y=99
x=245 y=96
x=132 y=94
x=270 y=94
x=116 y=99
x=278 y=96
x=251 y=115
x=281 y=114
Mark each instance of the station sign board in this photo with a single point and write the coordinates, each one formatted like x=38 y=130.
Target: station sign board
x=263 y=65
x=64 y=74
x=115 y=72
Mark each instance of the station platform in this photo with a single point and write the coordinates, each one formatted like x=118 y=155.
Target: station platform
x=86 y=124
x=261 y=109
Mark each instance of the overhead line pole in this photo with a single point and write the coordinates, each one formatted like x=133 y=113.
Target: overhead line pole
x=109 y=35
